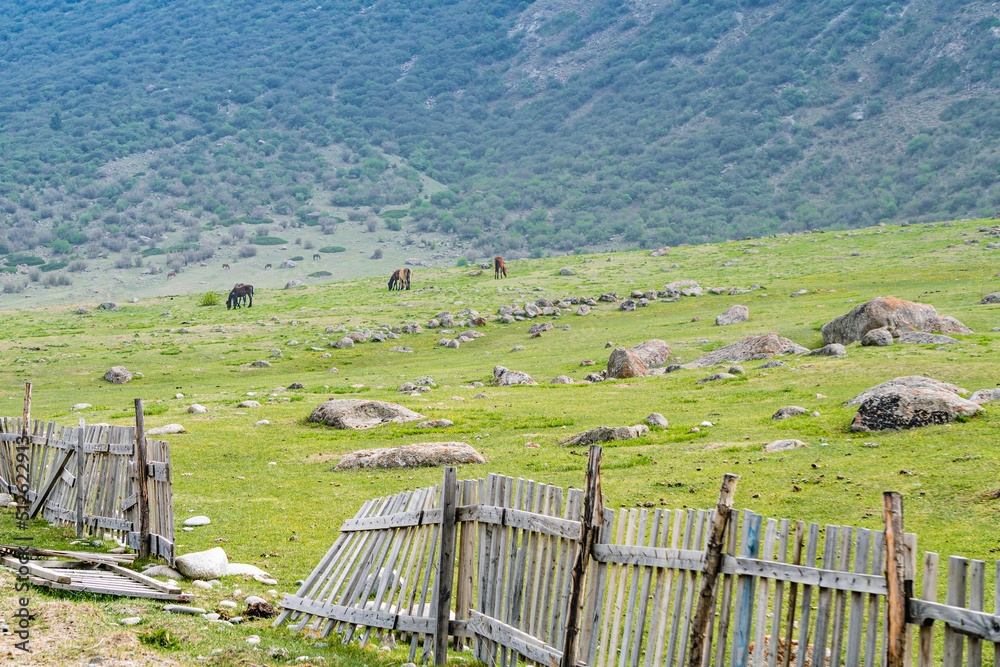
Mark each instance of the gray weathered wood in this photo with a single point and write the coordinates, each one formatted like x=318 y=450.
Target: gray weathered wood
x=892 y=515
x=140 y=462
x=954 y=643
x=925 y=654
x=593 y=510
x=441 y=607
x=977 y=590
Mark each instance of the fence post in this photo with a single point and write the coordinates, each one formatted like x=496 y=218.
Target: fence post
x=701 y=623
x=441 y=599
x=79 y=480
x=27 y=413
x=895 y=568
x=140 y=464
x=593 y=507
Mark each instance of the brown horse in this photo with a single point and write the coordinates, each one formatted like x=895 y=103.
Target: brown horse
x=267 y=266
x=316 y=256
x=400 y=279
x=225 y=266
x=171 y=275
x=498 y=268
x=240 y=292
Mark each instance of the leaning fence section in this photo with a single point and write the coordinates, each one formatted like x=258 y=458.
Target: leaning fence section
x=98 y=478
x=498 y=573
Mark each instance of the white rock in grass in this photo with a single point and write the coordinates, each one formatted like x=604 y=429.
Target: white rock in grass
x=197 y=409
x=656 y=419
x=262 y=422
x=209 y=564
x=227 y=604
x=197 y=521
x=248 y=404
x=163 y=571
x=267 y=581
x=131 y=620
x=255 y=639
x=166 y=429
x=183 y=609
x=198 y=583
x=80 y=406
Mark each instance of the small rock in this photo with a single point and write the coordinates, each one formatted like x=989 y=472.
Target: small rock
x=260 y=363
x=131 y=620
x=197 y=521
x=436 y=423
x=262 y=422
x=183 y=609
x=716 y=377
x=118 y=375
x=784 y=445
x=197 y=409
x=733 y=315
x=166 y=429
x=566 y=272
x=80 y=406
x=788 y=411
x=737 y=370
x=562 y=379
x=656 y=419
x=248 y=404
x=253 y=639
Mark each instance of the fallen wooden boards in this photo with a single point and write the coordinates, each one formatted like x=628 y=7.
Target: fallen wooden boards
x=102 y=578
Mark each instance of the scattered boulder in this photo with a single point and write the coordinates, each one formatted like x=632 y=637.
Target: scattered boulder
x=197 y=408
x=562 y=379
x=117 y=375
x=624 y=363
x=166 y=429
x=583 y=309
x=507 y=378
x=903 y=407
x=891 y=313
x=610 y=297
x=733 y=315
x=162 y=571
x=921 y=338
x=877 y=338
x=539 y=327
x=656 y=419
x=784 y=445
x=83 y=310
x=627 y=306
x=248 y=404
x=789 y=411
x=109 y=305
x=653 y=352
x=565 y=271
x=261 y=363
x=449 y=342
x=423 y=454
x=210 y=564
x=287 y=264
x=830 y=350
x=296 y=385
x=356 y=413
x=343 y=344
x=985 y=396
x=716 y=377
x=606 y=434
x=436 y=423
x=750 y=348
x=292 y=284
x=80 y=406
x=912 y=381
x=261 y=609
x=197 y=521
x=660 y=252
x=993 y=297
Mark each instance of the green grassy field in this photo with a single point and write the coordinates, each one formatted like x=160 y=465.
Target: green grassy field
x=283 y=517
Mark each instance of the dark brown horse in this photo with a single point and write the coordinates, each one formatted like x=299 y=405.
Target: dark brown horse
x=400 y=279
x=240 y=292
x=498 y=268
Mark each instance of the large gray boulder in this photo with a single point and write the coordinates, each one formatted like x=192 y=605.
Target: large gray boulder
x=118 y=375
x=624 y=363
x=421 y=454
x=892 y=313
x=606 y=434
x=356 y=413
x=507 y=378
x=203 y=565
x=751 y=348
x=653 y=352
x=907 y=407
x=109 y=305
x=993 y=297
x=912 y=381
x=733 y=315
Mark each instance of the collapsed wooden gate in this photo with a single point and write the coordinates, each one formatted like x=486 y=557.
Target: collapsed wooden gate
x=100 y=478
x=520 y=581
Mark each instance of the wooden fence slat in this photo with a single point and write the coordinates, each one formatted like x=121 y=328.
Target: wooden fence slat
x=679 y=591
x=725 y=606
x=840 y=597
x=743 y=616
x=977 y=591
x=763 y=594
x=856 y=619
x=594 y=621
x=871 y=629
x=807 y=594
x=954 y=643
x=779 y=594
x=831 y=544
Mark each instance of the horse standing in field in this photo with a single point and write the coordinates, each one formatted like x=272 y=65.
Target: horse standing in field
x=172 y=274
x=400 y=279
x=240 y=292
x=316 y=256
x=225 y=266
x=267 y=266
x=499 y=269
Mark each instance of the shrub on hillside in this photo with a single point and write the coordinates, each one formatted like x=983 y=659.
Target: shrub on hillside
x=209 y=299
x=332 y=248
x=268 y=240
x=248 y=251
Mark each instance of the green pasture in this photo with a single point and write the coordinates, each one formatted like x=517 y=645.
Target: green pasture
x=283 y=517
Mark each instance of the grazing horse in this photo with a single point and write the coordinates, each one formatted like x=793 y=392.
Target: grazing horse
x=225 y=266
x=267 y=266
x=240 y=292
x=316 y=255
x=498 y=268
x=400 y=279
x=171 y=275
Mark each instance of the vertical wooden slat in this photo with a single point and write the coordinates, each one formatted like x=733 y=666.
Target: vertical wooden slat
x=871 y=630
x=954 y=643
x=610 y=607
x=594 y=622
x=763 y=595
x=697 y=543
x=725 y=606
x=466 y=575
x=831 y=548
x=895 y=551
x=639 y=627
x=634 y=586
x=441 y=607
x=679 y=593
x=143 y=495
x=633 y=518
x=658 y=614
x=593 y=510
x=807 y=594
x=840 y=600
x=743 y=616
x=779 y=594
x=977 y=590
x=80 y=479
x=856 y=618
x=925 y=656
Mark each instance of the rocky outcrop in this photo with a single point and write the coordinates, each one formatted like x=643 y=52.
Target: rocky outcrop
x=892 y=313
x=356 y=413
x=912 y=381
x=748 y=349
x=117 y=375
x=905 y=407
x=606 y=434
x=506 y=378
x=733 y=315
x=624 y=363
x=419 y=455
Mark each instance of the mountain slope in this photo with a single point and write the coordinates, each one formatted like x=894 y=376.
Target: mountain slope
x=557 y=123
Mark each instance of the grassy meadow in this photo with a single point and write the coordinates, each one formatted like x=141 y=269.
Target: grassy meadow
x=283 y=517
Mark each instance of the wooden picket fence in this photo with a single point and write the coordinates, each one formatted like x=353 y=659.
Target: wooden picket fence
x=505 y=567
x=98 y=491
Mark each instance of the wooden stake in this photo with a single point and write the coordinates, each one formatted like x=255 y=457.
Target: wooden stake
x=441 y=604
x=895 y=564
x=140 y=464
x=79 y=480
x=27 y=413
x=593 y=513
x=710 y=576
